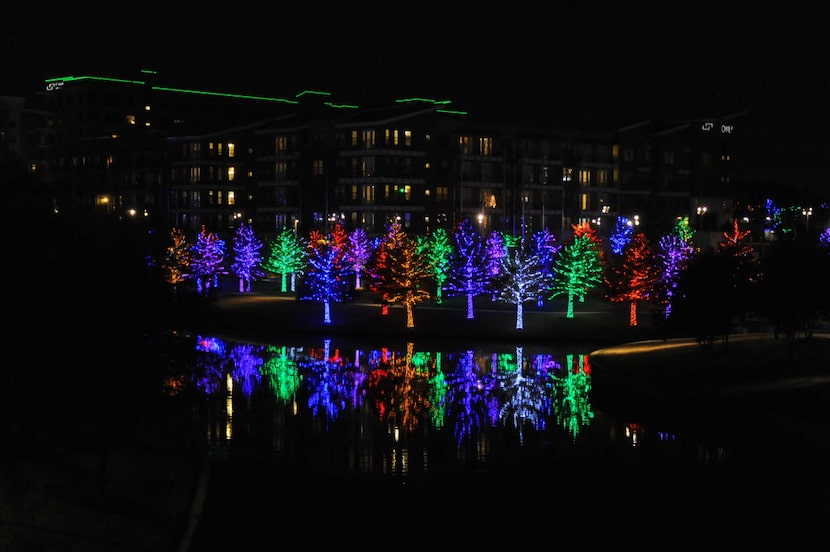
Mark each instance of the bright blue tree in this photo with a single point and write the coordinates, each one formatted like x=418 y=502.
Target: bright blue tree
x=673 y=256
x=621 y=235
x=467 y=274
x=247 y=257
x=544 y=247
x=327 y=279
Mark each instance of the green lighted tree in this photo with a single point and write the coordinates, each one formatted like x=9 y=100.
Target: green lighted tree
x=287 y=255
x=635 y=277
x=436 y=248
x=578 y=268
x=409 y=277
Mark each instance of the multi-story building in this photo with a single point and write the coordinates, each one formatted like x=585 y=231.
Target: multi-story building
x=177 y=157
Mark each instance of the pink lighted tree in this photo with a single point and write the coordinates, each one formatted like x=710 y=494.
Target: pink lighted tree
x=358 y=254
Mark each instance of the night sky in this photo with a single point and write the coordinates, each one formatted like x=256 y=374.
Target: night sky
x=592 y=63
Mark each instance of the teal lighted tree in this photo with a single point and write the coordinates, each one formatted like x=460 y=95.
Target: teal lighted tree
x=327 y=279
x=247 y=257
x=207 y=258
x=287 y=256
x=436 y=248
x=635 y=277
x=578 y=268
x=467 y=275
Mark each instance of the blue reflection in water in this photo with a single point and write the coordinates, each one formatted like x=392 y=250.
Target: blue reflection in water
x=387 y=411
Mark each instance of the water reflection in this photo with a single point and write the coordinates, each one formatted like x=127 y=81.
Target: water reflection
x=407 y=413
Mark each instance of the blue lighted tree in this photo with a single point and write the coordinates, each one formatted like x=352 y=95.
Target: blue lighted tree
x=247 y=257
x=207 y=258
x=358 y=254
x=287 y=254
x=327 y=279
x=621 y=235
x=544 y=246
x=467 y=274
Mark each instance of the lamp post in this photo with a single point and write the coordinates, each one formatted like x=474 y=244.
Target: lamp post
x=701 y=210
x=807 y=212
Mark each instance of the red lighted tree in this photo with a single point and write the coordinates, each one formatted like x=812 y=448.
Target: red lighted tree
x=379 y=266
x=634 y=279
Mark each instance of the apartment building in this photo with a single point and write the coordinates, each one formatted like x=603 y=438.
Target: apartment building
x=136 y=148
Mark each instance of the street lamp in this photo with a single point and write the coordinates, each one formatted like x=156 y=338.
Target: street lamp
x=701 y=210
x=807 y=212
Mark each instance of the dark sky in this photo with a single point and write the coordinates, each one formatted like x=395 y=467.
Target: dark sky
x=615 y=61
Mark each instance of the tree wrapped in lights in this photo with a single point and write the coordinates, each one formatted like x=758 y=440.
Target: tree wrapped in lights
x=176 y=262
x=379 y=269
x=410 y=278
x=544 y=246
x=522 y=278
x=207 y=258
x=327 y=279
x=436 y=248
x=578 y=269
x=467 y=274
x=287 y=256
x=358 y=254
x=621 y=235
x=247 y=257
x=635 y=277
x=672 y=257
x=495 y=251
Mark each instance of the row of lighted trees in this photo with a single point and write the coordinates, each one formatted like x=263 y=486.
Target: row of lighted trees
x=410 y=270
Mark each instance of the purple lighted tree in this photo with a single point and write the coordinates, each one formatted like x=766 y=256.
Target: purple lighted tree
x=358 y=254
x=247 y=257
x=327 y=280
x=672 y=257
x=495 y=251
x=207 y=258
x=286 y=256
x=467 y=274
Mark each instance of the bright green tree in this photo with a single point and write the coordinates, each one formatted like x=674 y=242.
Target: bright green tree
x=287 y=255
x=578 y=269
x=436 y=248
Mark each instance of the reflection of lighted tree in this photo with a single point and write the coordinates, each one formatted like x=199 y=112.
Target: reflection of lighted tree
x=245 y=369
x=327 y=390
x=281 y=372
x=525 y=399
x=210 y=364
x=571 y=394
x=464 y=401
x=410 y=389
